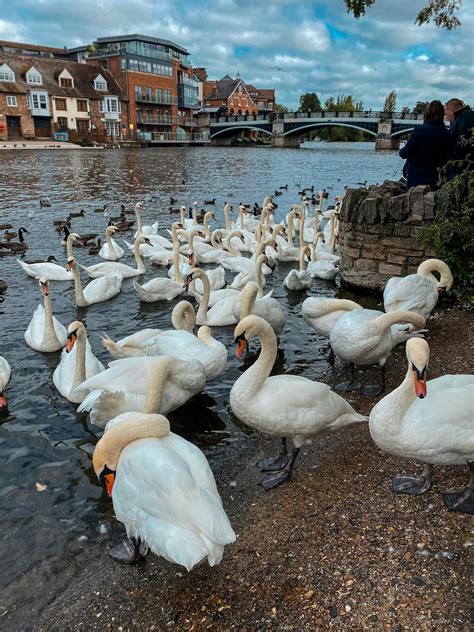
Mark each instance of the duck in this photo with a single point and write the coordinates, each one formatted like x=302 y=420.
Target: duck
x=80 y=213
x=220 y=314
x=3 y=286
x=322 y=313
x=286 y=406
x=297 y=280
x=210 y=202
x=108 y=267
x=97 y=290
x=266 y=307
x=101 y=209
x=367 y=336
x=50 y=259
x=48 y=270
x=428 y=421
x=5 y=226
x=45 y=201
x=418 y=292
x=77 y=363
x=145 y=384
x=5 y=374
x=45 y=333
x=16 y=246
x=95 y=248
x=182 y=318
x=111 y=251
x=163 y=491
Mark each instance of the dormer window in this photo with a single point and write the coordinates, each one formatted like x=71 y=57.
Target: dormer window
x=66 y=80
x=33 y=77
x=100 y=83
x=7 y=74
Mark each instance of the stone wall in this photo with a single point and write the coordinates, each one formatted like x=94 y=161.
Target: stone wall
x=378 y=233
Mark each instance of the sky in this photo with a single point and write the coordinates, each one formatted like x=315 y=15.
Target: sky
x=294 y=47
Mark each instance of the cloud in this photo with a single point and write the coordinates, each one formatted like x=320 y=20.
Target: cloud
x=320 y=46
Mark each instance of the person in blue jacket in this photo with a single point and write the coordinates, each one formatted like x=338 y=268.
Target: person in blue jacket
x=461 y=118
x=427 y=148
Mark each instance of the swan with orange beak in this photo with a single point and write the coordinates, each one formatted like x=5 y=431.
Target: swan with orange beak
x=5 y=373
x=430 y=422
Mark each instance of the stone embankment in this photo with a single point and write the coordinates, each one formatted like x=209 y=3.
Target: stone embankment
x=379 y=227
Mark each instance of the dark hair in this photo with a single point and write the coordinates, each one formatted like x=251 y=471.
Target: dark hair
x=434 y=112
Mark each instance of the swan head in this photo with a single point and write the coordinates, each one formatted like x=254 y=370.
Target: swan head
x=111 y=230
x=74 y=331
x=248 y=328
x=418 y=354
x=73 y=237
x=141 y=239
x=204 y=334
x=44 y=285
x=71 y=262
x=139 y=206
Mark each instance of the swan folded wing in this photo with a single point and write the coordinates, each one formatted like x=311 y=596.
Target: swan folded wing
x=127 y=374
x=103 y=288
x=409 y=293
x=104 y=405
x=178 y=518
x=35 y=329
x=140 y=338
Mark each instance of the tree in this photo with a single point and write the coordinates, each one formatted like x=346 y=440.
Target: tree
x=310 y=102
x=278 y=107
x=390 y=102
x=406 y=109
x=419 y=107
x=442 y=12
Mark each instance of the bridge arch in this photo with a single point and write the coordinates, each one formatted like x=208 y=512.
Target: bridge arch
x=400 y=132
x=299 y=131
x=239 y=128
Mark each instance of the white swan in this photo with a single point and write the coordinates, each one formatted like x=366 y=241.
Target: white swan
x=49 y=271
x=97 y=290
x=418 y=292
x=322 y=265
x=77 y=363
x=266 y=307
x=45 y=332
x=111 y=250
x=283 y=405
x=143 y=384
x=367 y=336
x=218 y=256
x=163 y=491
x=144 y=230
x=430 y=422
x=300 y=279
x=101 y=269
x=158 y=289
x=222 y=313
x=5 y=374
x=323 y=313
x=182 y=317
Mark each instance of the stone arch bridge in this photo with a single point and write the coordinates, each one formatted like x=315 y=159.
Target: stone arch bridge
x=285 y=130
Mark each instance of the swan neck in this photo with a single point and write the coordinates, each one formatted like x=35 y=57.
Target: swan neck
x=139 y=221
x=78 y=290
x=80 y=369
x=385 y=321
x=136 y=253
x=248 y=297
x=155 y=386
x=203 y=307
x=230 y=247
x=49 y=331
x=108 y=239
x=258 y=373
x=69 y=247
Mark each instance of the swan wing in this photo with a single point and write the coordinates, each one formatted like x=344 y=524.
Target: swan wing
x=127 y=374
x=109 y=267
x=222 y=313
x=140 y=338
x=35 y=330
x=5 y=370
x=413 y=292
x=103 y=288
x=51 y=271
x=162 y=289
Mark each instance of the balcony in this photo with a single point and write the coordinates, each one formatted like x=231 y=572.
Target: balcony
x=111 y=116
x=144 y=98
x=174 y=137
x=156 y=120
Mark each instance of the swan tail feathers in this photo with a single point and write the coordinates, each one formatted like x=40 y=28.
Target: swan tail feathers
x=103 y=406
x=112 y=347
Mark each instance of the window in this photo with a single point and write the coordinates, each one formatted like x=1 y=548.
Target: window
x=148 y=95
x=7 y=74
x=82 y=126
x=159 y=96
x=62 y=122
x=168 y=95
x=37 y=100
x=111 y=128
x=138 y=93
x=100 y=83
x=109 y=104
x=81 y=105
x=60 y=104
x=11 y=101
x=65 y=82
x=33 y=77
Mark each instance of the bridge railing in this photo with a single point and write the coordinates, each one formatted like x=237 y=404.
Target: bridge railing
x=314 y=115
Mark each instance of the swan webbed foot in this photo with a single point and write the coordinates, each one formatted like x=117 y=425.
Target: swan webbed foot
x=127 y=552
x=372 y=390
x=277 y=479
x=348 y=387
x=460 y=500
x=415 y=485
x=277 y=463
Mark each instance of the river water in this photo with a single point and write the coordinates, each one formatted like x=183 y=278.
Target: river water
x=42 y=438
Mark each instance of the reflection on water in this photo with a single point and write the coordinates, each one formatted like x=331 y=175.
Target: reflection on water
x=43 y=439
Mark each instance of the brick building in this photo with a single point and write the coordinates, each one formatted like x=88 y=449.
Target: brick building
x=41 y=94
x=158 y=81
x=234 y=95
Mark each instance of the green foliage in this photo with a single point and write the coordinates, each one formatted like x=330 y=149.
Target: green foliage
x=310 y=102
x=451 y=234
x=441 y=11
x=278 y=107
x=420 y=107
x=390 y=104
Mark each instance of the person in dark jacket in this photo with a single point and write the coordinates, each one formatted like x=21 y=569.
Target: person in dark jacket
x=427 y=148
x=461 y=119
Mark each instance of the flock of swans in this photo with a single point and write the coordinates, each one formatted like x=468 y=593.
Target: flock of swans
x=162 y=487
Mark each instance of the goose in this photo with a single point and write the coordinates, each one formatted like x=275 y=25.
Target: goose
x=367 y=336
x=111 y=250
x=44 y=332
x=222 y=313
x=76 y=365
x=5 y=373
x=66 y=234
x=321 y=268
x=97 y=290
x=266 y=307
x=300 y=279
x=418 y=292
x=108 y=267
x=95 y=248
x=429 y=422
x=48 y=270
x=16 y=246
x=163 y=491
x=50 y=259
x=286 y=406
x=145 y=384
x=182 y=318
x=322 y=313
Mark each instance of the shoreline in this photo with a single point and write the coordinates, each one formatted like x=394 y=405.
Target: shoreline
x=333 y=546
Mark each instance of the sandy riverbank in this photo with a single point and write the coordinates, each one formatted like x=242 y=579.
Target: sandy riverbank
x=332 y=548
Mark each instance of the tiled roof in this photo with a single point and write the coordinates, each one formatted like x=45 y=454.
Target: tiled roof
x=33 y=47
x=50 y=68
